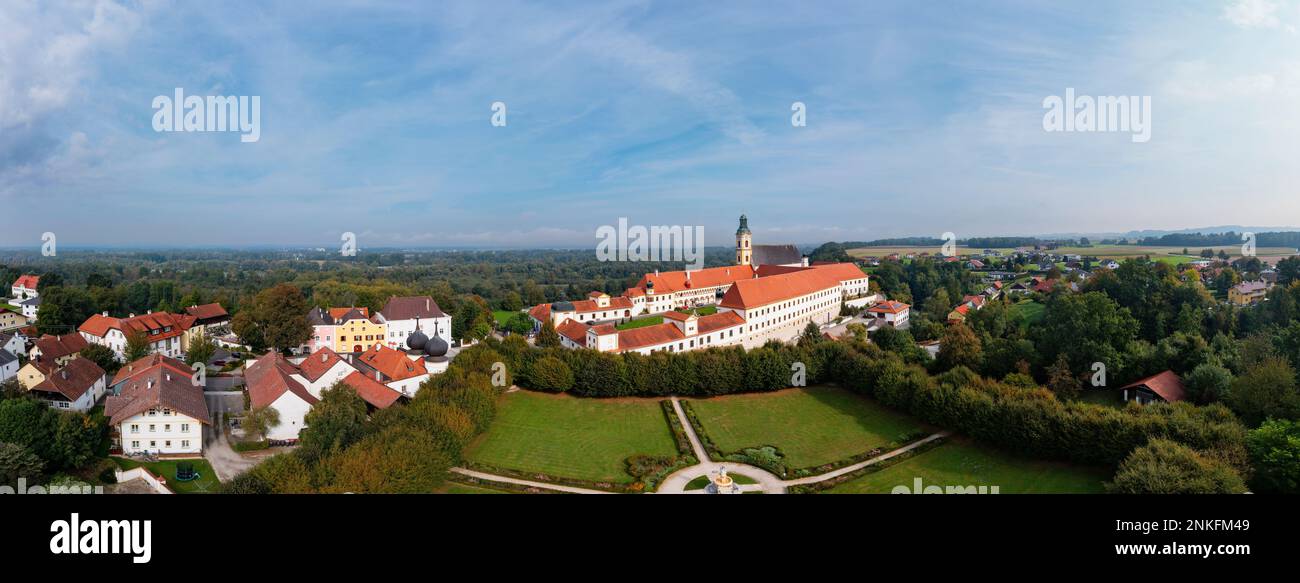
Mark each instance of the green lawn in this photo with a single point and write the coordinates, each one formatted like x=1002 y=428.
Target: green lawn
x=572 y=437
x=1031 y=310
x=503 y=316
x=641 y=322
x=963 y=463
x=207 y=481
x=811 y=426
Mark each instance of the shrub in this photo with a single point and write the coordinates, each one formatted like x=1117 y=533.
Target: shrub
x=1166 y=467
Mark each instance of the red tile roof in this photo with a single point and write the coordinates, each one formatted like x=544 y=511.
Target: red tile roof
x=842 y=271
x=719 y=321
x=53 y=347
x=675 y=315
x=411 y=308
x=889 y=307
x=143 y=365
x=27 y=281
x=99 y=325
x=318 y=363
x=271 y=376
x=72 y=380
x=393 y=363
x=573 y=330
x=540 y=312
x=158 y=388
x=672 y=281
x=1166 y=384
x=648 y=336
x=747 y=294
x=372 y=391
x=207 y=312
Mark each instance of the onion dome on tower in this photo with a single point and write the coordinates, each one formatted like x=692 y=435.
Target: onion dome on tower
x=436 y=347
x=416 y=340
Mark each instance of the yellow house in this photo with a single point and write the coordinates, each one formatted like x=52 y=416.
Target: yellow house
x=49 y=353
x=354 y=331
x=11 y=319
x=1248 y=292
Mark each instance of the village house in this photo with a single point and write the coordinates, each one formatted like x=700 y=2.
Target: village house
x=158 y=411
x=164 y=332
x=1248 y=293
x=342 y=330
x=25 y=287
x=207 y=319
x=1163 y=387
x=403 y=316
x=48 y=353
x=11 y=320
x=14 y=342
x=31 y=307
x=271 y=383
x=75 y=386
x=8 y=365
x=891 y=313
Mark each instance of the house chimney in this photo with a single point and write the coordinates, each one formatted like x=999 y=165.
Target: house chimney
x=169 y=377
x=104 y=313
x=324 y=357
x=64 y=373
x=379 y=377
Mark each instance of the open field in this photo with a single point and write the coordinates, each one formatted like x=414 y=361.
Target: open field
x=572 y=437
x=963 y=463
x=811 y=426
x=207 y=481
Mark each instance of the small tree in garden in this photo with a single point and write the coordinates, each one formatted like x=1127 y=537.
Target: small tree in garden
x=260 y=420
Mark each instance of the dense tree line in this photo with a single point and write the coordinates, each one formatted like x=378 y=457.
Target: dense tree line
x=38 y=442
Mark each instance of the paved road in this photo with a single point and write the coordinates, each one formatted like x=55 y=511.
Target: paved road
x=875 y=460
x=517 y=481
x=225 y=461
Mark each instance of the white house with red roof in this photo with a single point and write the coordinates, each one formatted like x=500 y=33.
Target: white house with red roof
x=891 y=313
x=159 y=411
x=275 y=382
x=403 y=315
x=75 y=386
x=25 y=287
x=164 y=332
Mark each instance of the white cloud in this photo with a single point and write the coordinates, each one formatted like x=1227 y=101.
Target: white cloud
x=1255 y=14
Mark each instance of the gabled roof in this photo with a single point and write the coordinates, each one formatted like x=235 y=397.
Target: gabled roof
x=718 y=321
x=52 y=347
x=207 y=312
x=394 y=364
x=889 y=307
x=1247 y=287
x=148 y=324
x=747 y=294
x=372 y=391
x=271 y=376
x=71 y=380
x=635 y=338
x=841 y=271
x=318 y=363
x=573 y=330
x=336 y=316
x=775 y=255
x=672 y=281
x=27 y=281
x=159 y=387
x=410 y=308
x=143 y=365
x=1166 y=384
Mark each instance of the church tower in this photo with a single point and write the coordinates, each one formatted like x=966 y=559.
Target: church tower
x=744 y=251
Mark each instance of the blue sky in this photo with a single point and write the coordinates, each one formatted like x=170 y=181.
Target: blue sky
x=923 y=118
